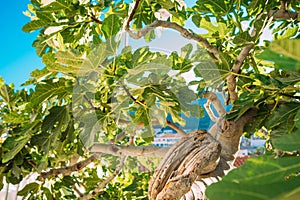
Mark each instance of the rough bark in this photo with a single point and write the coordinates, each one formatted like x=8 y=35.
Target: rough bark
x=189 y=157
x=283 y=14
x=208 y=157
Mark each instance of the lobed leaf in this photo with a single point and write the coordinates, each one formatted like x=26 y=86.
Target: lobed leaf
x=289 y=142
x=48 y=89
x=260 y=178
x=282 y=113
x=34 y=25
x=29 y=188
x=111 y=26
x=15 y=145
x=287 y=47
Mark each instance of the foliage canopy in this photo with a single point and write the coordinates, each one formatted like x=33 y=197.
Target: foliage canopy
x=97 y=93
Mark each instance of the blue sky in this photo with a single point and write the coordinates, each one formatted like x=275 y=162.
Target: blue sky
x=17 y=56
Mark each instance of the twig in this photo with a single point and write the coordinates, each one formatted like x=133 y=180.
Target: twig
x=136 y=5
x=130 y=95
x=95 y=19
x=106 y=181
x=184 y=32
x=172 y=125
x=180 y=131
x=291 y=96
x=231 y=79
x=90 y=102
x=282 y=5
x=77 y=191
x=68 y=170
x=118 y=138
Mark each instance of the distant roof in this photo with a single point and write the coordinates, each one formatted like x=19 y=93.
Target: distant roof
x=240 y=160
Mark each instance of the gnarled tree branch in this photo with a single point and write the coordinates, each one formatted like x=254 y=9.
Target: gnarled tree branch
x=231 y=82
x=209 y=111
x=136 y=5
x=194 y=154
x=119 y=150
x=213 y=98
x=184 y=32
x=232 y=131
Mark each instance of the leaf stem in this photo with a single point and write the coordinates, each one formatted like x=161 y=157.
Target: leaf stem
x=130 y=95
x=90 y=102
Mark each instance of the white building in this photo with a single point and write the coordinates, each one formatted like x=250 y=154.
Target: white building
x=165 y=140
x=250 y=145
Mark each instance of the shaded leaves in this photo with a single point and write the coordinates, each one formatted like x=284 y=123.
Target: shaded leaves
x=50 y=88
x=260 y=178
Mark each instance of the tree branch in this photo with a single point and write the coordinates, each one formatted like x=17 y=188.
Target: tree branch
x=282 y=5
x=232 y=131
x=119 y=137
x=213 y=98
x=95 y=19
x=77 y=191
x=209 y=111
x=106 y=181
x=180 y=131
x=282 y=13
x=90 y=103
x=291 y=96
x=192 y=155
x=68 y=170
x=231 y=82
x=184 y=32
x=136 y=5
x=119 y=150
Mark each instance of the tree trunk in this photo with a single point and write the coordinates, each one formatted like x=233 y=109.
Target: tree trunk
x=197 y=160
